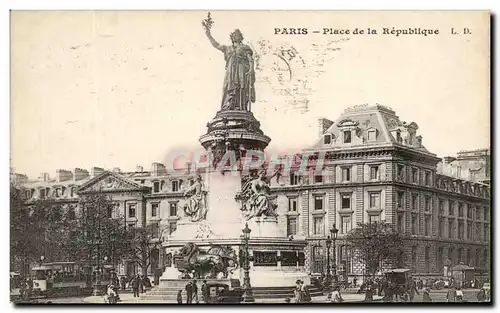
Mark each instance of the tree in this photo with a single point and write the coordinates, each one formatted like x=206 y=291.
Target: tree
x=97 y=233
x=23 y=244
x=374 y=243
x=143 y=241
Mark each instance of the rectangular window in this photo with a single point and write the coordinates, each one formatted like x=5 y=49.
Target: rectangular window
x=318 y=203
x=427 y=204
x=414 y=224
x=486 y=214
x=131 y=210
x=441 y=207
x=441 y=228
x=154 y=209
x=327 y=139
x=477 y=231
x=318 y=179
x=427 y=226
x=469 y=231
x=292 y=204
x=319 y=225
x=374 y=172
x=460 y=210
x=401 y=222
x=427 y=255
x=414 y=259
x=156 y=186
x=173 y=209
x=451 y=226
x=400 y=171
x=461 y=230
x=346 y=174
x=486 y=230
x=347 y=136
x=414 y=201
x=374 y=218
x=469 y=211
x=451 y=208
x=42 y=193
x=154 y=230
x=175 y=186
x=401 y=199
x=172 y=226
x=414 y=175
x=346 y=202
x=427 y=178
x=291 y=226
x=439 y=259
x=375 y=200
x=478 y=213
x=345 y=224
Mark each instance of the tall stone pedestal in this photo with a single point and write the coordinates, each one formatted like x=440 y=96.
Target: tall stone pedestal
x=238 y=131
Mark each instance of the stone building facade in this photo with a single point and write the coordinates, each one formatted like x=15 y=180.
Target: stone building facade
x=374 y=168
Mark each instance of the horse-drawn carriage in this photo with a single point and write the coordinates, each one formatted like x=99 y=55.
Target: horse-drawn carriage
x=400 y=279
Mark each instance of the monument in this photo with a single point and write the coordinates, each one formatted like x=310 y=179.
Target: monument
x=220 y=200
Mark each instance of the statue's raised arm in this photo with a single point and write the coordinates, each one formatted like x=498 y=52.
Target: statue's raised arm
x=238 y=86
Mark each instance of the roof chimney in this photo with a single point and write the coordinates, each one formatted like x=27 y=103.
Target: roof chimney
x=158 y=169
x=116 y=170
x=63 y=175
x=324 y=124
x=95 y=171
x=79 y=174
x=139 y=168
x=44 y=177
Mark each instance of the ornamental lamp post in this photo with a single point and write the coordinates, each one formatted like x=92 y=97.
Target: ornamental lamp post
x=41 y=260
x=328 y=272
x=247 y=287
x=334 y=231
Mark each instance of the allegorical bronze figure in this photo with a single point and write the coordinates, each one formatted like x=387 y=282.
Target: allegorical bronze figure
x=238 y=87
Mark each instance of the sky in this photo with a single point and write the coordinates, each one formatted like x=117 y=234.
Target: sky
x=123 y=88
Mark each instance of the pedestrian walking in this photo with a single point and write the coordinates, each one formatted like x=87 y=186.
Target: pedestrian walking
x=205 y=292
x=195 y=292
x=298 y=292
x=141 y=284
x=336 y=297
x=459 y=295
x=355 y=281
x=135 y=286
x=426 y=297
x=413 y=290
x=179 y=297
x=451 y=295
x=481 y=295
x=306 y=296
x=189 y=293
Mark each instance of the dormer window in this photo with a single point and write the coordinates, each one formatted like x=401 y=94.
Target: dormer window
x=175 y=186
x=327 y=139
x=372 y=134
x=156 y=186
x=347 y=136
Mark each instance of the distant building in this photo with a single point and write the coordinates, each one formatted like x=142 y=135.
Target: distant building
x=376 y=168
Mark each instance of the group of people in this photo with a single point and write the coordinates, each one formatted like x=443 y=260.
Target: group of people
x=192 y=293
x=301 y=292
x=138 y=284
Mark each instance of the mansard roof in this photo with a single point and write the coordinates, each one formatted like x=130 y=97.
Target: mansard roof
x=362 y=118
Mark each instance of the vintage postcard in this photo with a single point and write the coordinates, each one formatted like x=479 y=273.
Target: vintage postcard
x=195 y=157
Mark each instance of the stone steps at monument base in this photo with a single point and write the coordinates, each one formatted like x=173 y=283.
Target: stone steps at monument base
x=170 y=294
